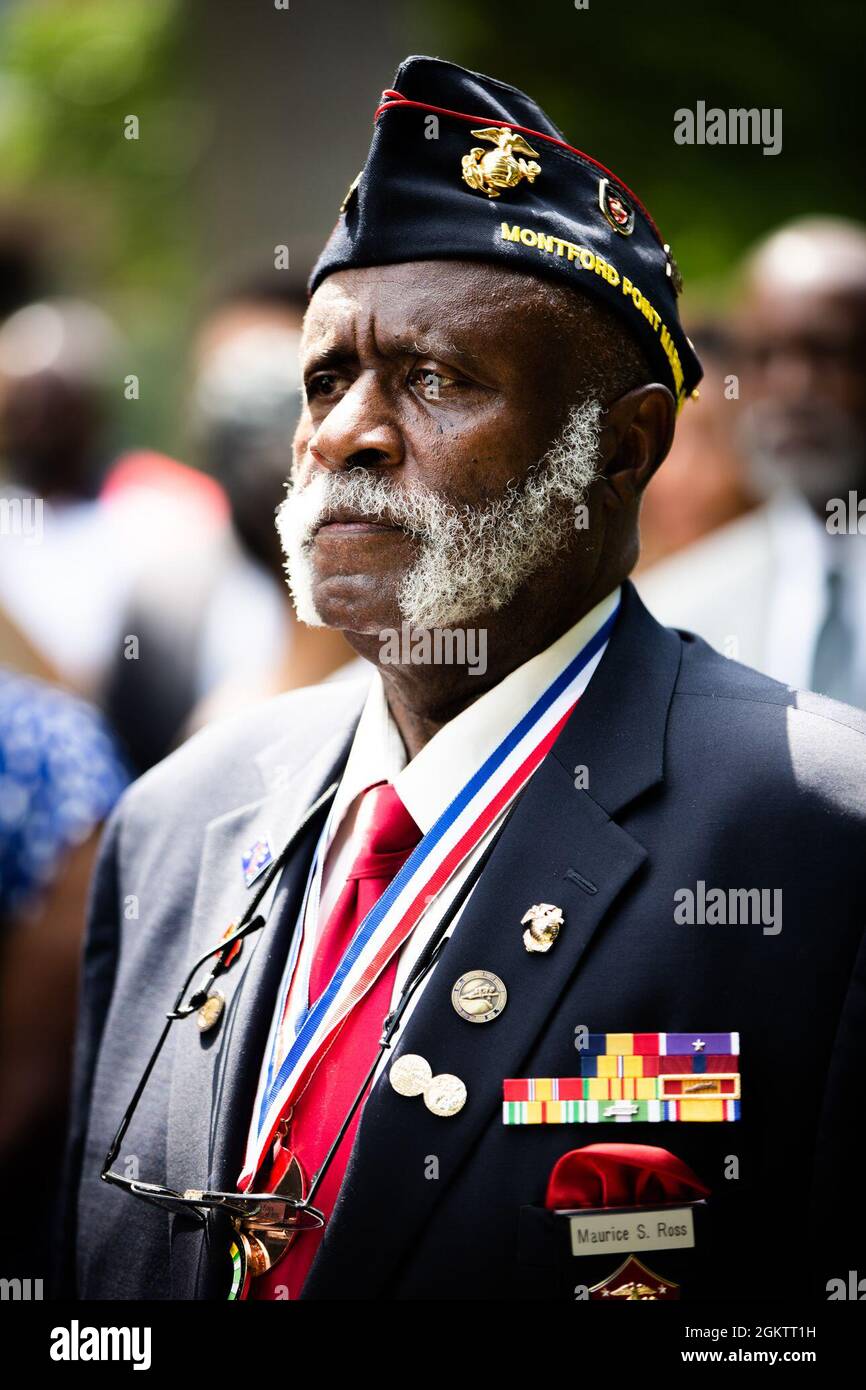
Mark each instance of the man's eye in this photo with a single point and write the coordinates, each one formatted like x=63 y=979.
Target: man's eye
x=322 y=384
x=432 y=383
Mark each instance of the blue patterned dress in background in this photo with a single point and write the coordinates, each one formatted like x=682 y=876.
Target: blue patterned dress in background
x=60 y=774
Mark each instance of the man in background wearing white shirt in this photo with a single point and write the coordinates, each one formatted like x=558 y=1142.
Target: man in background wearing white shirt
x=783 y=588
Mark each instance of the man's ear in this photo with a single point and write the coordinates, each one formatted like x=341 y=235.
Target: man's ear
x=637 y=432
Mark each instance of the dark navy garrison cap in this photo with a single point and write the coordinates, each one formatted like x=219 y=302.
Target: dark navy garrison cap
x=463 y=167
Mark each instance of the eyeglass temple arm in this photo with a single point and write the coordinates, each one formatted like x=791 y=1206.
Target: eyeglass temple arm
x=116 y=1142
x=247 y=925
x=195 y=1002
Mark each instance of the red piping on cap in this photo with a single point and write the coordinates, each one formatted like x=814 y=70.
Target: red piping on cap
x=391 y=98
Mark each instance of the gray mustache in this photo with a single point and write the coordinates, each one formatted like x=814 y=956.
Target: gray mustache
x=372 y=500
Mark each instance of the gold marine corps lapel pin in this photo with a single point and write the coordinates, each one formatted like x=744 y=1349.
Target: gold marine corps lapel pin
x=543 y=922
x=490 y=171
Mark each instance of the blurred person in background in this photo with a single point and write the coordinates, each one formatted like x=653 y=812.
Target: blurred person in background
x=89 y=522
x=83 y=527
x=60 y=775
x=702 y=529
x=58 y=577
x=234 y=638
x=784 y=587
x=704 y=485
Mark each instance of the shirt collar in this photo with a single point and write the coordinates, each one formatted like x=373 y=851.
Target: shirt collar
x=428 y=783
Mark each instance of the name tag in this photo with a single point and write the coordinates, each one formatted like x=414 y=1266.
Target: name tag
x=669 y=1228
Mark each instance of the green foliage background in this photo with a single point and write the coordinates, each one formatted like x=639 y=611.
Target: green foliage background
x=113 y=213
x=120 y=216
x=611 y=76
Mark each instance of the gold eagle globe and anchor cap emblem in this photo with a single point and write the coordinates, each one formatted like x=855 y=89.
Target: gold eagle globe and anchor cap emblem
x=489 y=171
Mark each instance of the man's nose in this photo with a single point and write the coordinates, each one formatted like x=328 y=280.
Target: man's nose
x=359 y=430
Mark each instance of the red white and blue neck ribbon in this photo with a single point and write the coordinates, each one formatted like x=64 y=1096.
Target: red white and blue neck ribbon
x=429 y=867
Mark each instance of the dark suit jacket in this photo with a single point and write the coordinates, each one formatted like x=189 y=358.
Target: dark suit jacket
x=698 y=769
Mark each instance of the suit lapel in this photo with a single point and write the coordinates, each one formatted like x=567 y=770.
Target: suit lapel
x=561 y=846
x=214 y=1075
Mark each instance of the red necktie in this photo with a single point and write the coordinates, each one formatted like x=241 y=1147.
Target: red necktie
x=390 y=837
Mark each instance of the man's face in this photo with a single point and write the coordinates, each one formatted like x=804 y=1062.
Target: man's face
x=805 y=388
x=440 y=385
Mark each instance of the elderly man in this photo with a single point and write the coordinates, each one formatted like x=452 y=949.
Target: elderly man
x=563 y=872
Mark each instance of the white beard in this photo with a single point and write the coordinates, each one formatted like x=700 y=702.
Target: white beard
x=471 y=560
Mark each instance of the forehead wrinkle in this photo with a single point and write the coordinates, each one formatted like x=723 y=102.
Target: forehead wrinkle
x=424 y=338
x=334 y=341
x=327 y=335
x=431 y=346
x=436 y=346
x=331 y=342
x=454 y=317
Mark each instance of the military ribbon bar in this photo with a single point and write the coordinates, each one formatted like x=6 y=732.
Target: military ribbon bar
x=635 y=1078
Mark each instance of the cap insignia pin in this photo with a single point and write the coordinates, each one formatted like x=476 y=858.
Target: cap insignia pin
x=489 y=171
x=615 y=209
